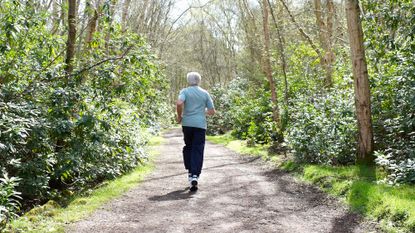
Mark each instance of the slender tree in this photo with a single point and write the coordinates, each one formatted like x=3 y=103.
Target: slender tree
x=281 y=51
x=325 y=32
x=70 y=44
x=267 y=61
x=329 y=56
x=55 y=17
x=361 y=83
x=124 y=16
x=91 y=27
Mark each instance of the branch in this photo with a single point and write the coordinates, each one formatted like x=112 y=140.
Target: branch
x=63 y=50
x=302 y=32
x=98 y=63
x=183 y=13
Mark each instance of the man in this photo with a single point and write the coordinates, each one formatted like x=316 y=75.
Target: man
x=193 y=105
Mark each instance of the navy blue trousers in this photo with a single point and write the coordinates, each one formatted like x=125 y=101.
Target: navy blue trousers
x=194 y=140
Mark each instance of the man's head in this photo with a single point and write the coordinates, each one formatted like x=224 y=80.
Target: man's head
x=193 y=78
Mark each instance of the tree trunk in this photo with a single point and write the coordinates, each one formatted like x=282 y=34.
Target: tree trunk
x=55 y=16
x=267 y=62
x=84 y=25
x=110 y=16
x=91 y=28
x=281 y=42
x=124 y=16
x=248 y=21
x=329 y=57
x=325 y=32
x=320 y=22
x=361 y=84
x=70 y=45
x=63 y=16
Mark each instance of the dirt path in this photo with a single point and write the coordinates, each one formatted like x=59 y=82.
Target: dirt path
x=235 y=195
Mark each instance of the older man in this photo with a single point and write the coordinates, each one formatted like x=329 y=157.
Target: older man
x=193 y=105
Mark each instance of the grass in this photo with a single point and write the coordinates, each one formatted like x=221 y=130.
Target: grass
x=53 y=218
x=392 y=206
x=239 y=146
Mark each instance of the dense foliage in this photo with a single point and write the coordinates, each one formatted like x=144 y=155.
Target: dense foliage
x=66 y=131
x=391 y=46
x=323 y=128
x=319 y=124
x=247 y=113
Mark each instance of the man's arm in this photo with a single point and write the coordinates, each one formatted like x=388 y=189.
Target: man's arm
x=210 y=112
x=179 y=110
x=210 y=107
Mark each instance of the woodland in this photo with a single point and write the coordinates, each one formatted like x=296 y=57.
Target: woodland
x=84 y=84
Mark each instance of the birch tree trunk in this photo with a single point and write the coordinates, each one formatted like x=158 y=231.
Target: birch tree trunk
x=361 y=84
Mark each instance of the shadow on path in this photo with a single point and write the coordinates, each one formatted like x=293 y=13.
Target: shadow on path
x=173 y=196
x=346 y=223
x=204 y=169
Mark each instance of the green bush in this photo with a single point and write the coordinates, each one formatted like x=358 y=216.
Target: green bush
x=323 y=129
x=9 y=197
x=399 y=171
x=62 y=132
x=389 y=32
x=221 y=122
x=247 y=112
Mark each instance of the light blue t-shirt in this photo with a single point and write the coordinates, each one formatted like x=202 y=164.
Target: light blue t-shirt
x=196 y=100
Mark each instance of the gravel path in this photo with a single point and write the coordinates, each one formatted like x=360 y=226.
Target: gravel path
x=235 y=194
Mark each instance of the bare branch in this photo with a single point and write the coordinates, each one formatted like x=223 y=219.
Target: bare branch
x=98 y=63
x=302 y=32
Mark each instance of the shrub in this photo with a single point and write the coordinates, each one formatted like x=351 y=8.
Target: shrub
x=221 y=122
x=323 y=129
x=9 y=203
x=69 y=132
x=399 y=171
x=390 y=56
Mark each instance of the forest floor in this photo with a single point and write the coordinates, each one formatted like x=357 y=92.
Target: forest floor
x=236 y=194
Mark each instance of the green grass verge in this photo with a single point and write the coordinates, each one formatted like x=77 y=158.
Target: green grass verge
x=53 y=218
x=240 y=146
x=392 y=206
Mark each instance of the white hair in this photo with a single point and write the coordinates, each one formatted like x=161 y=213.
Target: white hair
x=193 y=78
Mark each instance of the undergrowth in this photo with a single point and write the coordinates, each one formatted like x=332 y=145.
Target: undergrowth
x=55 y=215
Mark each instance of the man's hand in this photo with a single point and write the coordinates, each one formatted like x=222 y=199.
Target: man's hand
x=179 y=109
x=210 y=112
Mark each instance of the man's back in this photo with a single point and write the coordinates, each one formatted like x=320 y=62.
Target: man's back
x=196 y=100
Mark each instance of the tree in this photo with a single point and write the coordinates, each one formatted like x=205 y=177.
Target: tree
x=361 y=84
x=325 y=32
x=55 y=17
x=92 y=23
x=281 y=50
x=267 y=61
x=124 y=16
x=70 y=44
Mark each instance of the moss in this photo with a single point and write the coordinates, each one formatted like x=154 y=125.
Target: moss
x=80 y=201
